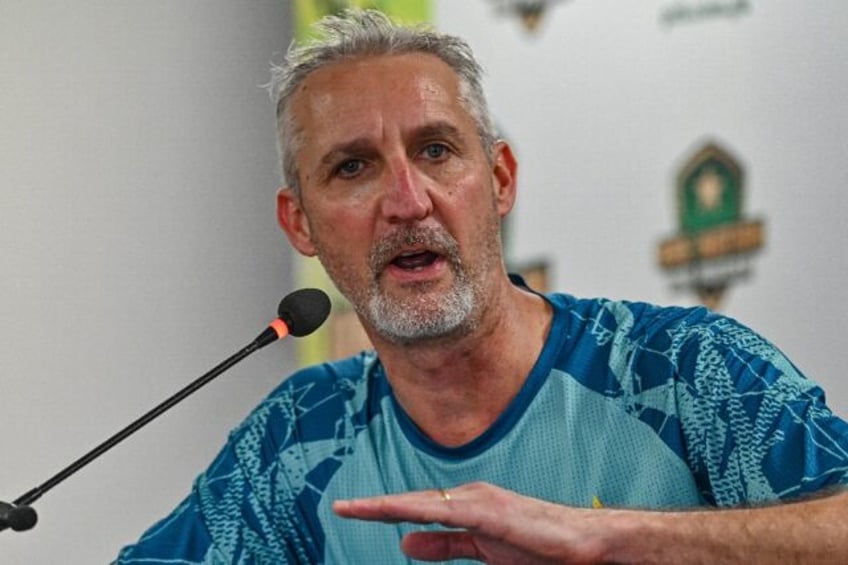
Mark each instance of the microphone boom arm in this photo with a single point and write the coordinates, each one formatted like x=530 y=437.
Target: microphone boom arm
x=34 y=494
x=301 y=312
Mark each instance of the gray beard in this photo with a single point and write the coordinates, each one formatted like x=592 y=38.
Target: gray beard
x=429 y=318
x=422 y=317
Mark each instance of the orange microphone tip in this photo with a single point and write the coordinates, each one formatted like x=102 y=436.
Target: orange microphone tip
x=280 y=327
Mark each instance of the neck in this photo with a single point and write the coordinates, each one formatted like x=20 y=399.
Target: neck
x=455 y=389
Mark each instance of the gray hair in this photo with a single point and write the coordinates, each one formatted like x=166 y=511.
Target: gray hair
x=359 y=33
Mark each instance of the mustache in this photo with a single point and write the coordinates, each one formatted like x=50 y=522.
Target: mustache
x=433 y=239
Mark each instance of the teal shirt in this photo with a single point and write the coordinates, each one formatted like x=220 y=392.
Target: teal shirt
x=632 y=404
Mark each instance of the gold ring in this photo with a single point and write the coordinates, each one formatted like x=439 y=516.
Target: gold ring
x=445 y=494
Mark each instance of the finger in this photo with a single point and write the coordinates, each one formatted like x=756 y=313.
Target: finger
x=439 y=546
x=423 y=507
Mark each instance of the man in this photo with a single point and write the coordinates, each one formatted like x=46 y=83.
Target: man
x=532 y=427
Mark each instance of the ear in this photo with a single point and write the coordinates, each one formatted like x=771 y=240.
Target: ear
x=293 y=220
x=504 y=177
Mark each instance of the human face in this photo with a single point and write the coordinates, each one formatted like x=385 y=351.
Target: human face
x=398 y=198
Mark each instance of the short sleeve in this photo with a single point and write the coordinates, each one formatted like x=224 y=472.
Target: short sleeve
x=756 y=429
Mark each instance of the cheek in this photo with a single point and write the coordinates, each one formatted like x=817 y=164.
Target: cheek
x=344 y=227
x=343 y=237
x=328 y=217
x=476 y=217
x=473 y=202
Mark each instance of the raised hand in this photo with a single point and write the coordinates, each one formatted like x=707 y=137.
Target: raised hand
x=489 y=524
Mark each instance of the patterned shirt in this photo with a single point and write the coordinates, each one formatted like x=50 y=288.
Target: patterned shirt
x=629 y=404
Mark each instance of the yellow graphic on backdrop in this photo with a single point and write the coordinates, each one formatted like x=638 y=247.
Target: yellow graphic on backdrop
x=309 y=11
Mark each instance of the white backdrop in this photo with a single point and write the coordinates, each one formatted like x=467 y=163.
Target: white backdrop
x=138 y=247
x=137 y=234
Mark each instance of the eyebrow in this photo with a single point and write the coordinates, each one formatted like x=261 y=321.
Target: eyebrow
x=362 y=145
x=438 y=129
x=354 y=146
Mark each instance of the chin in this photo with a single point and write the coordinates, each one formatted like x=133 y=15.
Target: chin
x=410 y=321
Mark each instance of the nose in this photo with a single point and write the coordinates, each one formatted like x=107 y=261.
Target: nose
x=406 y=197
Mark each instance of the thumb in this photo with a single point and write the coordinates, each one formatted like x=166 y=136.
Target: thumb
x=440 y=546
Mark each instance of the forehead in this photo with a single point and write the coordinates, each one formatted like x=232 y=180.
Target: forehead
x=361 y=95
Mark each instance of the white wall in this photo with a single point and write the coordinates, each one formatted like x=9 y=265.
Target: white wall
x=605 y=101
x=138 y=248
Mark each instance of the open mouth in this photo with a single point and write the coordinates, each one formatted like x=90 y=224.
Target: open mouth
x=414 y=253
x=415 y=260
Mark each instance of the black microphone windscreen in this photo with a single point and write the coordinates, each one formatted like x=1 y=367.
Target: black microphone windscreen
x=19 y=518
x=304 y=310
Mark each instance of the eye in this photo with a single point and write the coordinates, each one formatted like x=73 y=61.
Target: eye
x=435 y=151
x=349 y=168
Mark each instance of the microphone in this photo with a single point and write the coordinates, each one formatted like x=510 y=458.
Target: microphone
x=299 y=314
x=19 y=518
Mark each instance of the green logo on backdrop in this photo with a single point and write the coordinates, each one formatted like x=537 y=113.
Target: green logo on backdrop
x=710 y=192
x=715 y=241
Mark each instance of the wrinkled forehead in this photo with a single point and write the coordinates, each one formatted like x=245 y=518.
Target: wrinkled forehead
x=366 y=91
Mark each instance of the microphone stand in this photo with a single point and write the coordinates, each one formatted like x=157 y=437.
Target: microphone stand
x=301 y=312
x=20 y=516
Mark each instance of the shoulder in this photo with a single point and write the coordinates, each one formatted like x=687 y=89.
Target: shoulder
x=314 y=399
x=749 y=424
x=623 y=347
x=640 y=314
x=326 y=377
x=614 y=323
